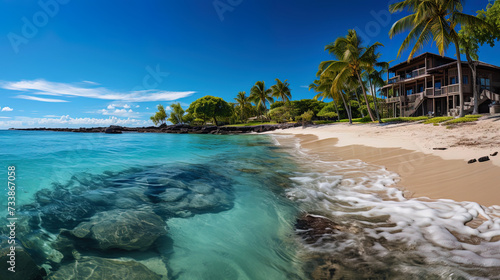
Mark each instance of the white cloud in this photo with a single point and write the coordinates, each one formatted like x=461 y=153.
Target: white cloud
x=111 y=106
x=43 y=87
x=126 y=106
x=51 y=116
x=137 y=106
x=4 y=117
x=7 y=109
x=119 y=112
x=40 y=99
x=67 y=121
x=91 y=83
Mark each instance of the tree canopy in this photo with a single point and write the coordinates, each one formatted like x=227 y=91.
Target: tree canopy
x=210 y=107
x=160 y=116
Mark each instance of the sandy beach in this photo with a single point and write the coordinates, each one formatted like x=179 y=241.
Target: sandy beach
x=409 y=149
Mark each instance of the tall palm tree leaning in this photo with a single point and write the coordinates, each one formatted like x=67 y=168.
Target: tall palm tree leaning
x=433 y=20
x=243 y=102
x=353 y=60
x=259 y=95
x=281 y=90
x=375 y=80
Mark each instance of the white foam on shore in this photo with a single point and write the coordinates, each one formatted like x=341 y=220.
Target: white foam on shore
x=356 y=194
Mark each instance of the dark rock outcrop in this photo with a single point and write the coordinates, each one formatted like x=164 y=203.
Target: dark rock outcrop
x=472 y=161
x=113 y=129
x=483 y=159
x=99 y=268
x=178 y=129
x=494 y=154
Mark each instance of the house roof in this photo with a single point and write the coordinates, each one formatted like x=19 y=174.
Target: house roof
x=480 y=64
x=404 y=63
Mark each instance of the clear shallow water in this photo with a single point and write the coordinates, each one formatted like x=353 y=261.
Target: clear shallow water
x=243 y=230
x=245 y=195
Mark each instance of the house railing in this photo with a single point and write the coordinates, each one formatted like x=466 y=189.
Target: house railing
x=410 y=75
x=393 y=99
x=393 y=80
x=429 y=91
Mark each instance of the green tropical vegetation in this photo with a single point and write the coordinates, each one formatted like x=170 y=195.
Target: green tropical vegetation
x=347 y=87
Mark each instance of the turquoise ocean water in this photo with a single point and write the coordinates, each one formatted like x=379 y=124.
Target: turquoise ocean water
x=230 y=206
x=249 y=237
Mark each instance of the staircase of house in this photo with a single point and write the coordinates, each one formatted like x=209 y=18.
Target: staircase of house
x=484 y=96
x=414 y=106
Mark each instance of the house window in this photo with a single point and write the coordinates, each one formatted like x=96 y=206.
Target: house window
x=485 y=83
x=437 y=85
x=409 y=91
x=466 y=80
x=453 y=80
x=420 y=88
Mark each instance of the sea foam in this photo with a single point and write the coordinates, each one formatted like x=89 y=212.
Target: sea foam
x=394 y=236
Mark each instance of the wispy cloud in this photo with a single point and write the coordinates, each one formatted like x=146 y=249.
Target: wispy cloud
x=119 y=112
x=7 y=109
x=43 y=87
x=40 y=98
x=67 y=121
x=51 y=116
x=91 y=83
x=304 y=87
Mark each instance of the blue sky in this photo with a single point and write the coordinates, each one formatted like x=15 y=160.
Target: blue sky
x=68 y=63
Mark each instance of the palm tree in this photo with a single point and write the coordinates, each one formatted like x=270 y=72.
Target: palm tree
x=281 y=90
x=323 y=88
x=433 y=20
x=327 y=82
x=242 y=104
x=260 y=95
x=353 y=60
x=375 y=80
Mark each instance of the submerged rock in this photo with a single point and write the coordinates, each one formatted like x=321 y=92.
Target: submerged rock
x=94 y=268
x=127 y=230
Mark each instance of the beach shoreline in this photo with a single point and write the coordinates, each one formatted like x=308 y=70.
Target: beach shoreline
x=409 y=150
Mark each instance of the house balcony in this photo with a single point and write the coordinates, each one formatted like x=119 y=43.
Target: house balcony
x=409 y=75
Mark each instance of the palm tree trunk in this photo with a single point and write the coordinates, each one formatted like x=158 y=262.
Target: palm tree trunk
x=336 y=109
x=357 y=98
x=348 y=109
x=366 y=98
x=459 y=67
x=375 y=103
x=473 y=69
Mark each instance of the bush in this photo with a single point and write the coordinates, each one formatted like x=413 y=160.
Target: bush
x=280 y=114
x=463 y=120
x=473 y=116
x=305 y=117
x=437 y=120
x=405 y=119
x=323 y=122
x=328 y=112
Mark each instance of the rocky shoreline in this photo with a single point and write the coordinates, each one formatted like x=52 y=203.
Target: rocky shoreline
x=178 y=129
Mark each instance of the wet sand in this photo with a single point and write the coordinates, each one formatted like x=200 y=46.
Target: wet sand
x=422 y=174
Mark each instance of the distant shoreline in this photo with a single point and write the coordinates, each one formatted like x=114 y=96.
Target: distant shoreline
x=175 y=129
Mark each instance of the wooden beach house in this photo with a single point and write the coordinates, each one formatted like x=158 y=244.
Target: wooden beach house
x=428 y=85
